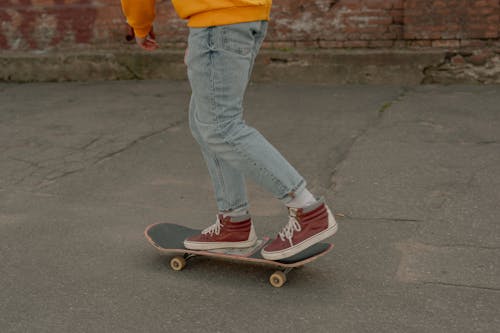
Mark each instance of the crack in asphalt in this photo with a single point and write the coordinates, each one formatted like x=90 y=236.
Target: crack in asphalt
x=381 y=219
x=31 y=163
x=90 y=143
x=467 y=246
x=109 y=155
x=458 y=285
x=138 y=140
x=345 y=150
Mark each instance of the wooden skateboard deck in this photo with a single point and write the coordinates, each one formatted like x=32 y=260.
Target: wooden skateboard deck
x=169 y=238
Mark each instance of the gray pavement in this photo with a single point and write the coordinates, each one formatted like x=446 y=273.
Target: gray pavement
x=411 y=172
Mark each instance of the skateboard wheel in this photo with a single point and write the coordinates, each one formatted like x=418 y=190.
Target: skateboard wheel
x=277 y=279
x=177 y=263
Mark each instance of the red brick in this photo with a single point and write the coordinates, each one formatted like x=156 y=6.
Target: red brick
x=440 y=4
x=379 y=20
x=284 y=45
x=400 y=44
x=491 y=34
x=180 y=45
x=420 y=43
x=327 y=44
x=446 y=43
x=307 y=44
x=377 y=4
x=399 y=4
x=479 y=59
x=492 y=19
x=472 y=43
x=267 y=45
x=458 y=60
x=355 y=43
x=481 y=3
x=481 y=11
x=375 y=30
x=380 y=43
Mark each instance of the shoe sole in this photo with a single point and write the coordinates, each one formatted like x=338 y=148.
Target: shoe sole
x=297 y=248
x=202 y=246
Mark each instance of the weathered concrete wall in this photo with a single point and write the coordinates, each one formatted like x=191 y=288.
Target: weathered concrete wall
x=465 y=67
x=332 y=66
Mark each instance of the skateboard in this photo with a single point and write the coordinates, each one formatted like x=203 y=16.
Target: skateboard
x=169 y=238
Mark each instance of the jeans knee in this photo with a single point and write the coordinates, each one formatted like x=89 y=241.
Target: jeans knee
x=215 y=135
x=211 y=135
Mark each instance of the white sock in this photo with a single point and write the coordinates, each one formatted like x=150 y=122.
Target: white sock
x=302 y=199
x=235 y=213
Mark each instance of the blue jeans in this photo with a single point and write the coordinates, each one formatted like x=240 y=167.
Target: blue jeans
x=220 y=61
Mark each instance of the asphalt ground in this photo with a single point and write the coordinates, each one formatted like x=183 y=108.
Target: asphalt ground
x=412 y=174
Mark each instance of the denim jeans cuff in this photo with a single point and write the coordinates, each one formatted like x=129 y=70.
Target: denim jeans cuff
x=231 y=209
x=293 y=193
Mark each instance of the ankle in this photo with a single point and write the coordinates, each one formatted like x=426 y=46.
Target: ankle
x=302 y=199
x=236 y=215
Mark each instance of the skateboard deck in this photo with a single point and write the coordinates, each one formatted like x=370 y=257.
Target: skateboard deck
x=169 y=238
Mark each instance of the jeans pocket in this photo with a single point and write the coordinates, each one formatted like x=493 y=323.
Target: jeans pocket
x=239 y=38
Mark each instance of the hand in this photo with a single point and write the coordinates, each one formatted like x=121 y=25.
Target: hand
x=147 y=43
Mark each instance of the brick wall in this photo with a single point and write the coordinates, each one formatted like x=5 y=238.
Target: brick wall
x=97 y=24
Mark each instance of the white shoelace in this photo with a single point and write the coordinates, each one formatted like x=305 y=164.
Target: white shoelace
x=215 y=228
x=292 y=226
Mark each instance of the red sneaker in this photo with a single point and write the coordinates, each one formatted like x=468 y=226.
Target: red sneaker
x=227 y=232
x=306 y=227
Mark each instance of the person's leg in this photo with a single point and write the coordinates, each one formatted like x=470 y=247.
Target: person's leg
x=233 y=226
x=219 y=63
x=228 y=183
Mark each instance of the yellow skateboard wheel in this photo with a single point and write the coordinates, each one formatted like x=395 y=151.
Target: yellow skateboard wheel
x=177 y=263
x=277 y=279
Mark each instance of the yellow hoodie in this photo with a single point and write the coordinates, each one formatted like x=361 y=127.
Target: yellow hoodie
x=200 y=13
